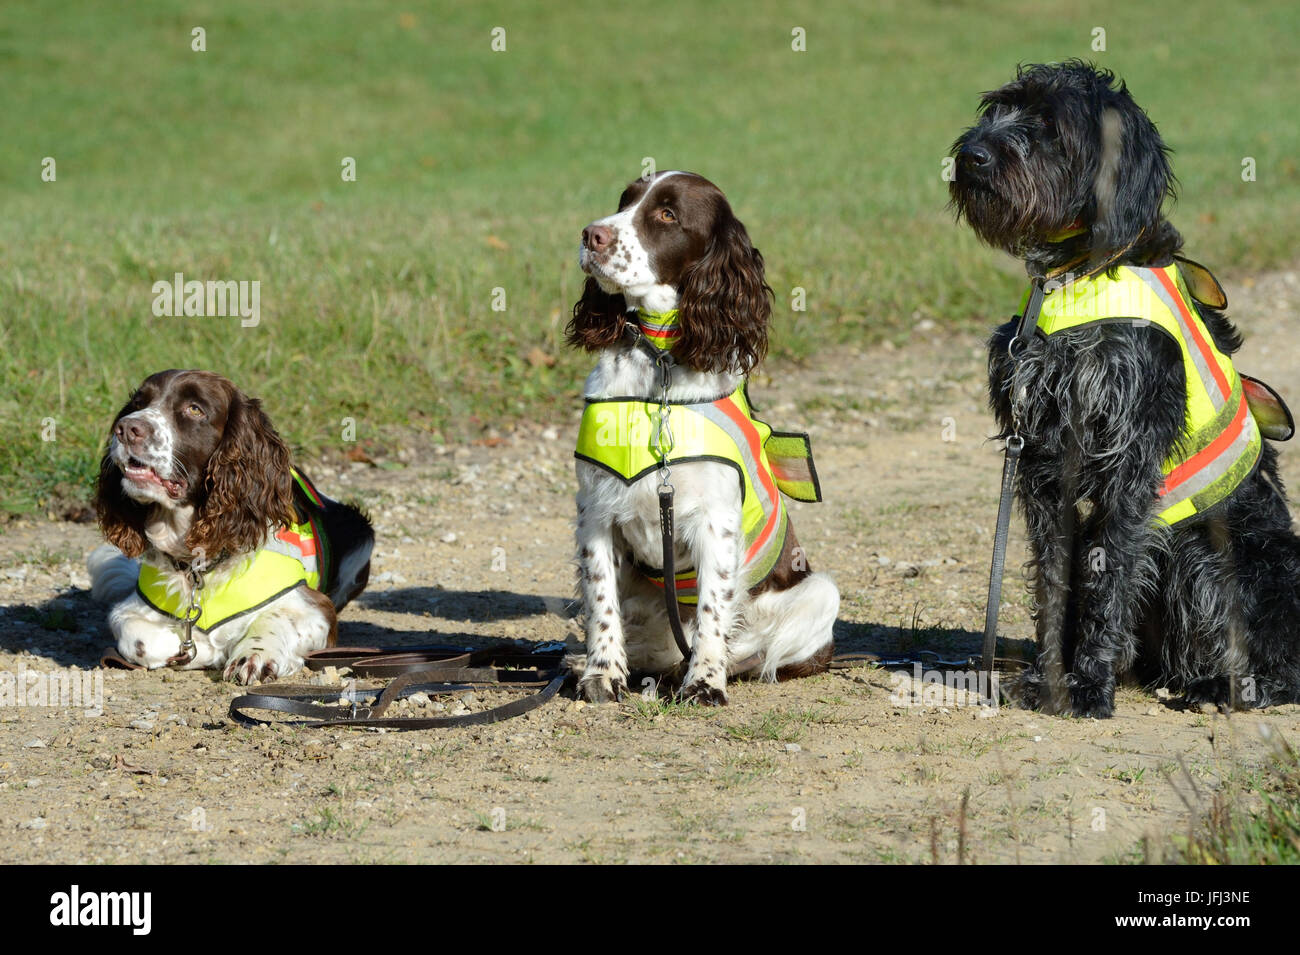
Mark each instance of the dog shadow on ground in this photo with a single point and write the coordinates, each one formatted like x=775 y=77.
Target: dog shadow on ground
x=69 y=630
x=478 y=606
x=901 y=640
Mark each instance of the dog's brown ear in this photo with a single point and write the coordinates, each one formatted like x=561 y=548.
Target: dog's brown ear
x=120 y=519
x=248 y=487
x=725 y=305
x=1133 y=177
x=598 y=319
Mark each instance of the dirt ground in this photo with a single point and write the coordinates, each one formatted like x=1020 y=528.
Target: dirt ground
x=474 y=546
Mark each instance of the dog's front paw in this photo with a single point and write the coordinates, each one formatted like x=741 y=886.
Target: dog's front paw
x=1092 y=700
x=601 y=688
x=1031 y=687
x=1214 y=691
x=251 y=667
x=150 y=646
x=702 y=693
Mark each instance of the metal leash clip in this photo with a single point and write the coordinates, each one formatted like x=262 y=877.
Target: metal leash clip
x=663 y=427
x=192 y=614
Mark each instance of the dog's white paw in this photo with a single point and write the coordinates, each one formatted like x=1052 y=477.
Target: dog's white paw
x=598 y=687
x=253 y=662
x=706 y=684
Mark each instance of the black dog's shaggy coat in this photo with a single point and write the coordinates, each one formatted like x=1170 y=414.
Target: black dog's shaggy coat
x=1064 y=170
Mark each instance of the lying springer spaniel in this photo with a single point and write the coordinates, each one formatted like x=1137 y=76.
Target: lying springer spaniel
x=673 y=271
x=210 y=523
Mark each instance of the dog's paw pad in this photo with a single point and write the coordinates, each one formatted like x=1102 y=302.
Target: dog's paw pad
x=704 y=694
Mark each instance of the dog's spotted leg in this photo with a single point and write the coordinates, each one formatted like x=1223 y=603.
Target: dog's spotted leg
x=278 y=639
x=718 y=573
x=605 y=675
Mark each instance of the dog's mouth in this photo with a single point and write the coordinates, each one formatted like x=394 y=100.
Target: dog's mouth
x=595 y=267
x=967 y=178
x=590 y=262
x=141 y=475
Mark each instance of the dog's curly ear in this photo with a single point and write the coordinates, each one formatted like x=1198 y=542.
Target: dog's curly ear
x=598 y=319
x=120 y=519
x=725 y=305
x=1133 y=177
x=248 y=487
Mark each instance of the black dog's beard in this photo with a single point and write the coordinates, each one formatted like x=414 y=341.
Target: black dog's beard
x=1020 y=210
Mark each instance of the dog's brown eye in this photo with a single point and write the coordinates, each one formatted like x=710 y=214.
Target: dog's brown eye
x=194 y=411
x=666 y=215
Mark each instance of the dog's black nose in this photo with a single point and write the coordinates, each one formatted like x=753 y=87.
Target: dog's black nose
x=976 y=156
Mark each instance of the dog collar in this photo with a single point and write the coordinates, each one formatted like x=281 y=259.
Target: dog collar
x=1069 y=232
x=659 y=328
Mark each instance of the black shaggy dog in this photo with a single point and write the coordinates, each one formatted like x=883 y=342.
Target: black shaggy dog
x=1065 y=171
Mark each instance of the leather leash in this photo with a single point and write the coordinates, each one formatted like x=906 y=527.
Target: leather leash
x=670 y=571
x=1014 y=446
x=664 y=363
x=435 y=669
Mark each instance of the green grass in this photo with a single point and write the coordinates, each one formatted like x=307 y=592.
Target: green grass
x=476 y=170
x=782 y=726
x=1254 y=819
x=330 y=823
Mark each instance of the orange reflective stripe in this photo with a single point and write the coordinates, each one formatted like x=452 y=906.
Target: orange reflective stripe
x=683 y=583
x=1208 y=454
x=306 y=547
x=1194 y=326
x=747 y=430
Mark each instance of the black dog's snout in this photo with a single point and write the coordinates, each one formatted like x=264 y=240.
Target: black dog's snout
x=132 y=432
x=976 y=156
x=597 y=237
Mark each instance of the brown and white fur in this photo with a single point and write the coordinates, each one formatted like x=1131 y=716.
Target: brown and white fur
x=194 y=471
x=675 y=243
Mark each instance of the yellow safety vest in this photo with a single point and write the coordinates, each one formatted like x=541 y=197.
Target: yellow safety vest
x=1221 y=443
x=619 y=435
x=295 y=554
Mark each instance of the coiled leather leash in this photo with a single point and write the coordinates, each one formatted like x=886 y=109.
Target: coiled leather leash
x=431 y=670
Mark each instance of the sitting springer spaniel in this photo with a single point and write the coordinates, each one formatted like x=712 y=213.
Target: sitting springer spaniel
x=675 y=289
x=223 y=554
